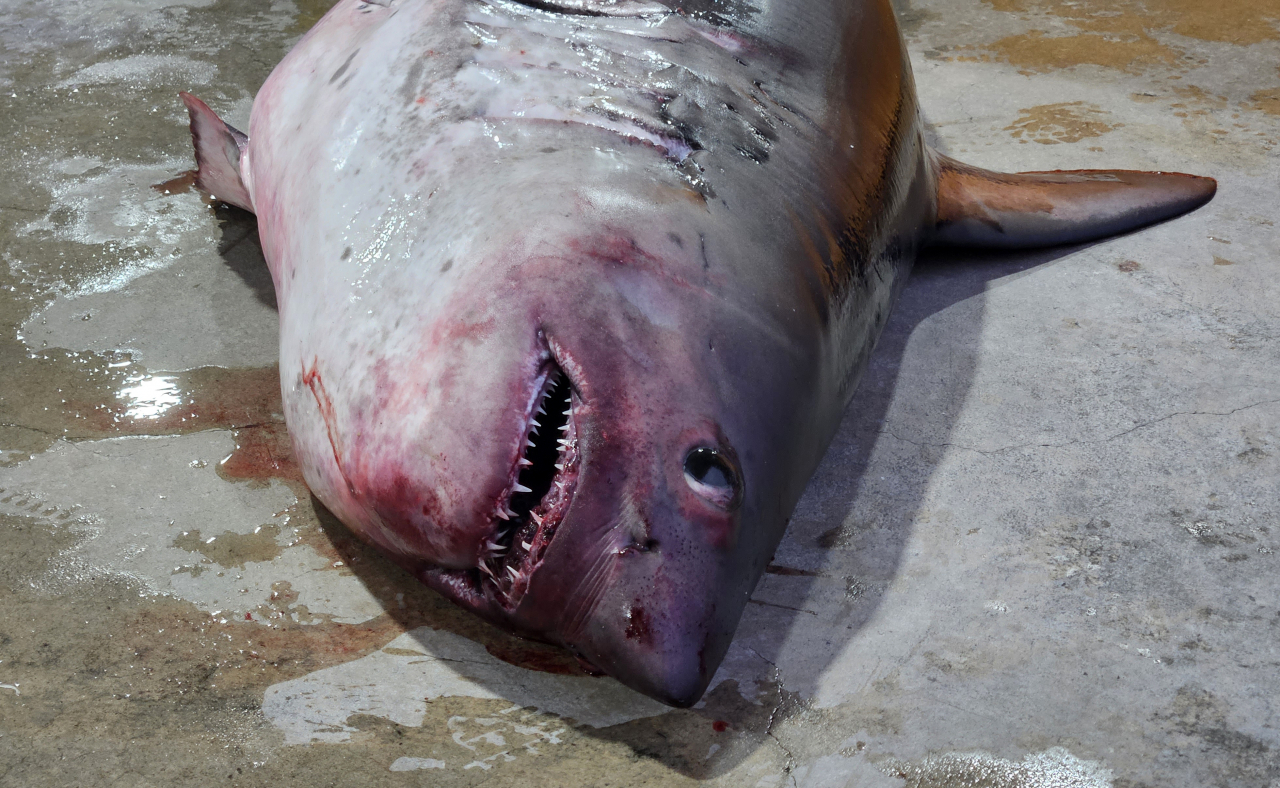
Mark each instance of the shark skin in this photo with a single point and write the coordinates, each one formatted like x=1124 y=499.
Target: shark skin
x=573 y=293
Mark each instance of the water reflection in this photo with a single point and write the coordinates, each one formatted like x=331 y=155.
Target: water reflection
x=150 y=396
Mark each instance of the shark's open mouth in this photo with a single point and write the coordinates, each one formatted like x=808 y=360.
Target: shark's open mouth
x=529 y=511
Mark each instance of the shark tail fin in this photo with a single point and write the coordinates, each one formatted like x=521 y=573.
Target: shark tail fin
x=219 y=148
x=978 y=207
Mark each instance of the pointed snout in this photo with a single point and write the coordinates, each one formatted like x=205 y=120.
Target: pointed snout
x=659 y=629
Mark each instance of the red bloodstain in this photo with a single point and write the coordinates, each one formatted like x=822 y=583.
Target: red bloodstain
x=638 y=625
x=720 y=726
x=178 y=184
x=311 y=377
x=262 y=453
x=461 y=328
x=622 y=249
x=545 y=659
x=588 y=668
x=397 y=503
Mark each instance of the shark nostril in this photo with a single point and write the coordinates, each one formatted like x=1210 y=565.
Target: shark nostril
x=710 y=474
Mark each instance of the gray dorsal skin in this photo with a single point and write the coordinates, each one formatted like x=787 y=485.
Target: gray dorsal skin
x=573 y=293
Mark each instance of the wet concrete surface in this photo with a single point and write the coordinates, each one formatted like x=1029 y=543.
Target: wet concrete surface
x=1041 y=552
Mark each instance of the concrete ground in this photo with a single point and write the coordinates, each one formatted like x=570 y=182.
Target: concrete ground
x=1041 y=552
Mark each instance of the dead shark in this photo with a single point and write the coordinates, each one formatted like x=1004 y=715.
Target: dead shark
x=573 y=293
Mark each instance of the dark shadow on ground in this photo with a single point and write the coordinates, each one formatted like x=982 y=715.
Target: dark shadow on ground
x=241 y=249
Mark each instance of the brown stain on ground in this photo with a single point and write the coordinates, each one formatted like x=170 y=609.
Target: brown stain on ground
x=1267 y=101
x=1051 y=124
x=1130 y=35
x=178 y=184
x=231 y=550
x=1036 y=51
x=1229 y=21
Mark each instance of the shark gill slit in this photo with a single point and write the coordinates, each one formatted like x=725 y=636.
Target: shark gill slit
x=560 y=8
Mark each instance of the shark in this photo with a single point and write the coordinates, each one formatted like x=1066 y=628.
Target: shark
x=574 y=293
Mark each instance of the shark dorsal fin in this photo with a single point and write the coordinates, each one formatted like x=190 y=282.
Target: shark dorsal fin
x=978 y=207
x=219 y=148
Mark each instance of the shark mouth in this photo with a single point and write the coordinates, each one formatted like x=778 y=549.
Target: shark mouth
x=530 y=510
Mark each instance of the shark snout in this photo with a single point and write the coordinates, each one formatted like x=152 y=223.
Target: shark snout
x=661 y=628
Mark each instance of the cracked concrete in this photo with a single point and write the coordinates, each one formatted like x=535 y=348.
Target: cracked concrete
x=1132 y=429
x=1040 y=552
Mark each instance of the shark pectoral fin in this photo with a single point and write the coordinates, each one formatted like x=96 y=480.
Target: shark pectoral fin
x=218 y=151
x=978 y=207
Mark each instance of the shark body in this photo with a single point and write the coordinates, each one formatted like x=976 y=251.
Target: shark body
x=574 y=293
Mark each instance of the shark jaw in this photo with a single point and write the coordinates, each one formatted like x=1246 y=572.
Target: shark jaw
x=542 y=478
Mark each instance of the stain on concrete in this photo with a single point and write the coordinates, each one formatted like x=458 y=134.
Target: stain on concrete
x=1051 y=124
x=1241 y=22
x=1200 y=721
x=231 y=550
x=263 y=452
x=1136 y=37
x=1267 y=101
x=1039 y=52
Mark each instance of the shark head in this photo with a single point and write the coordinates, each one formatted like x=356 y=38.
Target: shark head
x=649 y=428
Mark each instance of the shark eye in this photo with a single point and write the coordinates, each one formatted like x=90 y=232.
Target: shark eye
x=710 y=475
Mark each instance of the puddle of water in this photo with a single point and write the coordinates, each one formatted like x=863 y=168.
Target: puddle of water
x=1056 y=767
x=231 y=550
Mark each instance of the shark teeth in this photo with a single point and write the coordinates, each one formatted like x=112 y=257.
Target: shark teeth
x=512 y=551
